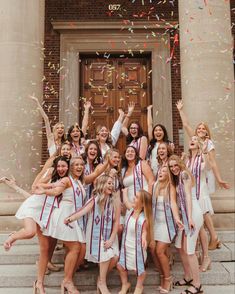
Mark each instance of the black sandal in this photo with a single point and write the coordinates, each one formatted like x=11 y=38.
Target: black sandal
x=186 y=283
x=198 y=289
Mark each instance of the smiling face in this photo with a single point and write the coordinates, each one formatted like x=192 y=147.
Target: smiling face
x=130 y=154
x=92 y=152
x=193 y=144
x=65 y=150
x=77 y=167
x=201 y=131
x=114 y=159
x=158 y=134
x=174 y=167
x=75 y=134
x=134 y=130
x=62 y=168
x=102 y=134
x=58 y=130
x=163 y=174
x=109 y=186
x=162 y=151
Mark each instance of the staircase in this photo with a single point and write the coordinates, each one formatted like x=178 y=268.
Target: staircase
x=18 y=270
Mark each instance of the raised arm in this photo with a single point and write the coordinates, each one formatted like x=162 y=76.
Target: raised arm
x=148 y=174
x=12 y=184
x=117 y=127
x=143 y=147
x=131 y=107
x=150 y=121
x=97 y=172
x=184 y=118
x=50 y=136
x=85 y=120
x=82 y=211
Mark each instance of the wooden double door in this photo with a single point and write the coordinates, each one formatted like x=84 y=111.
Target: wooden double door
x=111 y=84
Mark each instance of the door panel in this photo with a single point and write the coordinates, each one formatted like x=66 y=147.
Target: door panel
x=111 y=84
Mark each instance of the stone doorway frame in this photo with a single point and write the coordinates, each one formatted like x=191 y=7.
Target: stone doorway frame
x=116 y=37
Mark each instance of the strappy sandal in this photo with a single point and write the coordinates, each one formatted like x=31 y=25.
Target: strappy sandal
x=198 y=290
x=186 y=283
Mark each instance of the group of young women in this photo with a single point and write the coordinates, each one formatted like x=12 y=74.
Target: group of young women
x=110 y=211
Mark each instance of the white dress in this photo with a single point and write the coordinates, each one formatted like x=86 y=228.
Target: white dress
x=204 y=198
x=209 y=173
x=128 y=182
x=130 y=248
x=153 y=160
x=160 y=225
x=105 y=255
x=57 y=229
x=198 y=221
x=32 y=208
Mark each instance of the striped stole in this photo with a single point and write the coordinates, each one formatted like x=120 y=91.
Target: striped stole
x=78 y=150
x=138 y=177
x=195 y=169
x=79 y=200
x=182 y=204
x=49 y=204
x=171 y=227
x=89 y=187
x=102 y=225
x=139 y=255
x=136 y=144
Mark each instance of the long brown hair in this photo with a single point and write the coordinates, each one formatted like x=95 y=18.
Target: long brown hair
x=146 y=201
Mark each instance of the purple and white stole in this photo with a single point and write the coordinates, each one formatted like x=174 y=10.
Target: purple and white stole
x=102 y=225
x=136 y=144
x=195 y=169
x=138 y=177
x=79 y=200
x=49 y=204
x=88 y=187
x=171 y=227
x=78 y=150
x=139 y=255
x=182 y=203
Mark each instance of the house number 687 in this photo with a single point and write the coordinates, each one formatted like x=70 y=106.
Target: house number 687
x=114 y=6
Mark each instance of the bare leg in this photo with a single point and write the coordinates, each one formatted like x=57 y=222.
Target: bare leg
x=152 y=247
x=102 y=285
x=44 y=243
x=81 y=255
x=186 y=266
x=214 y=242
x=161 y=250
x=139 y=285
x=28 y=232
x=204 y=242
x=124 y=279
x=113 y=263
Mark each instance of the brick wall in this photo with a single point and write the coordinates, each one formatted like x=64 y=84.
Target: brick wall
x=90 y=10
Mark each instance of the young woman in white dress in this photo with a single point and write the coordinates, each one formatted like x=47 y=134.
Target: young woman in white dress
x=36 y=216
x=164 y=225
x=55 y=137
x=197 y=164
x=136 y=173
x=136 y=236
x=107 y=139
x=156 y=134
x=102 y=227
x=134 y=133
x=203 y=132
x=190 y=222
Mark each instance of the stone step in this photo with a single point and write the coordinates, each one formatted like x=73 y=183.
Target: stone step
x=28 y=254
x=228 y=289
x=24 y=275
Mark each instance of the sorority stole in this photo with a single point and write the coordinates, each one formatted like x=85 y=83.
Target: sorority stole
x=78 y=150
x=181 y=197
x=89 y=187
x=79 y=200
x=136 y=144
x=139 y=255
x=49 y=204
x=138 y=177
x=102 y=225
x=195 y=169
x=168 y=212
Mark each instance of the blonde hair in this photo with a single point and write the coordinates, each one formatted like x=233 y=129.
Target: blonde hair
x=100 y=186
x=206 y=127
x=72 y=161
x=109 y=138
x=146 y=201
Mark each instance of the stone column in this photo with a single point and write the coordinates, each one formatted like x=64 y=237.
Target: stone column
x=21 y=75
x=207 y=84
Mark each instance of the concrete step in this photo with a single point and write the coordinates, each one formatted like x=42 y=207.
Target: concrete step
x=229 y=289
x=28 y=254
x=24 y=275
